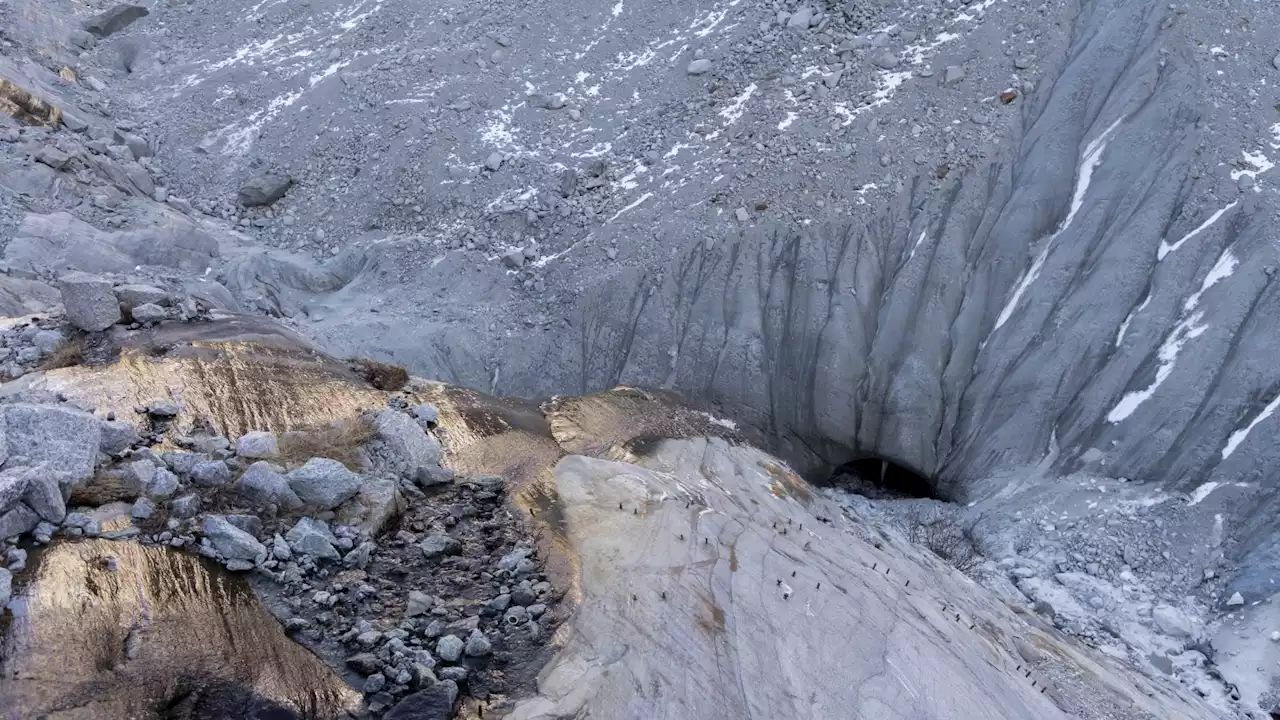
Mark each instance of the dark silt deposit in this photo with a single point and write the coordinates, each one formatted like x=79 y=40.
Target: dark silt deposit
x=102 y=629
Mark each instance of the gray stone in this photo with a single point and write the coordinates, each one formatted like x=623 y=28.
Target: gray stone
x=401 y=446
x=45 y=494
x=163 y=484
x=264 y=189
x=164 y=409
x=16 y=560
x=431 y=475
x=1172 y=621
x=1275 y=61
x=364 y=663
x=114 y=20
x=698 y=67
x=419 y=603
x=449 y=648
x=1236 y=600
x=131 y=296
x=88 y=301
x=360 y=556
x=799 y=20
x=182 y=462
x=60 y=438
x=513 y=259
x=210 y=474
x=187 y=506
x=116 y=437
x=494 y=161
x=53 y=157
x=263 y=485
x=374 y=683
x=478 y=645
x=230 y=541
x=434 y=703
x=952 y=74
x=13 y=485
x=148 y=313
x=885 y=59
x=454 y=674
x=138 y=147
x=85 y=41
x=280 y=549
x=16 y=520
x=523 y=595
x=48 y=340
x=312 y=537
x=143 y=508
x=6 y=588
x=536 y=610
x=426 y=413
x=251 y=524
x=501 y=603
x=137 y=474
x=324 y=483
x=257 y=445
x=568 y=182
x=439 y=545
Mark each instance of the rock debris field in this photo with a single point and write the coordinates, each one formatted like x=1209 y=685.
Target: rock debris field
x=1024 y=251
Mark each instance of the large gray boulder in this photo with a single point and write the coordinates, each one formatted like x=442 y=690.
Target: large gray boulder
x=312 y=537
x=131 y=296
x=261 y=484
x=115 y=19
x=400 y=446
x=17 y=520
x=6 y=588
x=117 y=436
x=264 y=188
x=434 y=703
x=13 y=485
x=210 y=473
x=88 y=301
x=230 y=541
x=60 y=438
x=46 y=493
x=257 y=445
x=324 y=483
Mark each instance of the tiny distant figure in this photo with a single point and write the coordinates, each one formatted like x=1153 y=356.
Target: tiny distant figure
x=786 y=596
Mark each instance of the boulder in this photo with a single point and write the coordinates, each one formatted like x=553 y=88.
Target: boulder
x=401 y=446
x=48 y=340
x=419 y=603
x=1172 y=621
x=324 y=483
x=312 y=537
x=60 y=438
x=377 y=501
x=478 y=645
x=187 y=506
x=364 y=663
x=230 y=541
x=148 y=313
x=114 y=20
x=210 y=473
x=13 y=485
x=182 y=462
x=17 y=520
x=264 y=188
x=163 y=484
x=439 y=545
x=131 y=296
x=137 y=474
x=88 y=301
x=143 y=508
x=449 y=648
x=116 y=436
x=45 y=493
x=263 y=485
x=257 y=445
x=434 y=703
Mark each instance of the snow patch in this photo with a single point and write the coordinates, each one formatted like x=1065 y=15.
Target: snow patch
x=1239 y=436
x=1166 y=248
x=736 y=107
x=1202 y=492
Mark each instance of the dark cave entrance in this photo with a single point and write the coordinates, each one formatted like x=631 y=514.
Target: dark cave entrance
x=879 y=478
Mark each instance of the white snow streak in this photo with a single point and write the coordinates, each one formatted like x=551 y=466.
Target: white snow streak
x=1092 y=158
x=734 y=109
x=1202 y=492
x=632 y=206
x=1238 y=436
x=786 y=122
x=1124 y=326
x=1166 y=248
x=1187 y=329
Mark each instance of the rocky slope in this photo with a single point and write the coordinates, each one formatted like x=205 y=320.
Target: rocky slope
x=1024 y=252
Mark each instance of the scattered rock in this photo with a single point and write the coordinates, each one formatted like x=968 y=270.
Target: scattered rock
x=438 y=545
x=210 y=474
x=116 y=437
x=163 y=484
x=799 y=20
x=885 y=60
x=54 y=158
x=187 y=506
x=261 y=484
x=60 y=438
x=143 y=508
x=17 y=520
x=1236 y=600
x=952 y=75
x=478 y=645
x=364 y=663
x=698 y=67
x=88 y=301
x=324 y=483
x=1008 y=96
x=131 y=296
x=264 y=189
x=257 y=445
x=401 y=446
x=44 y=493
x=434 y=703
x=419 y=603
x=493 y=162
x=6 y=592
x=312 y=537
x=148 y=314
x=449 y=648
x=114 y=20
x=514 y=259
x=230 y=541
